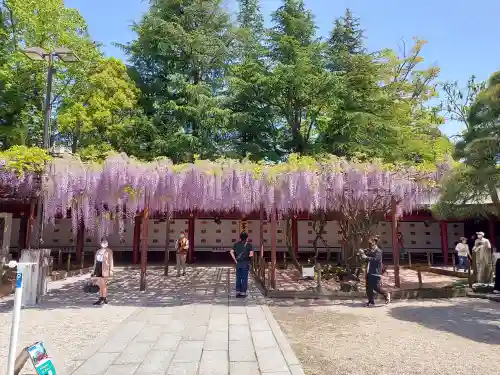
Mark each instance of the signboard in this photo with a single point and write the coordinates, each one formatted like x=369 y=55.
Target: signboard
x=19 y=279
x=41 y=360
x=308 y=272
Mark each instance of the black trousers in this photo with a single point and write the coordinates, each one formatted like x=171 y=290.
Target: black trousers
x=497 y=275
x=374 y=285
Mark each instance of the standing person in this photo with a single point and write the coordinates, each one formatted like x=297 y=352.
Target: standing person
x=463 y=254
x=181 y=253
x=241 y=253
x=373 y=257
x=103 y=270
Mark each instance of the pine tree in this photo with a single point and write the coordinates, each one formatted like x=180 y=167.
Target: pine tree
x=346 y=39
x=253 y=134
x=180 y=60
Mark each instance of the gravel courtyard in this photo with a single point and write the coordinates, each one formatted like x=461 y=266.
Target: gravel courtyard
x=65 y=330
x=440 y=337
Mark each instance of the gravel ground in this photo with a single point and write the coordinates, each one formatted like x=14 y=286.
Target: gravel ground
x=457 y=336
x=67 y=331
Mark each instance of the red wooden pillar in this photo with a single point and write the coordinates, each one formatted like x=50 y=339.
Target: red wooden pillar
x=492 y=232
x=30 y=225
x=261 y=230
x=144 y=252
x=444 y=240
x=295 y=235
x=395 y=243
x=274 y=242
x=136 y=239
x=80 y=240
x=191 y=238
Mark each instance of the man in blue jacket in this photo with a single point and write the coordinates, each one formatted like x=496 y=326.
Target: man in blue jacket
x=373 y=258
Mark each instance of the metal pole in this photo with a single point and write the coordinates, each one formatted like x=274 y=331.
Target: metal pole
x=16 y=317
x=48 y=104
x=46 y=145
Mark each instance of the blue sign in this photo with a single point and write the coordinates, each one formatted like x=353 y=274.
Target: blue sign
x=19 y=279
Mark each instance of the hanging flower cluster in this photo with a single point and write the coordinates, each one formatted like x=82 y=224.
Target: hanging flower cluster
x=102 y=196
x=20 y=168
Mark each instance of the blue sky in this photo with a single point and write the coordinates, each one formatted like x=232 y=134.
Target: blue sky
x=462 y=35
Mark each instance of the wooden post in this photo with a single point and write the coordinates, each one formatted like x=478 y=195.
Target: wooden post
x=444 y=241
x=167 y=247
x=395 y=244
x=31 y=222
x=273 y=248
x=190 y=234
x=59 y=260
x=68 y=263
x=295 y=235
x=144 y=250
x=136 y=240
x=453 y=262
x=261 y=230
x=469 y=274
x=409 y=258
x=419 y=275
x=429 y=262
x=80 y=239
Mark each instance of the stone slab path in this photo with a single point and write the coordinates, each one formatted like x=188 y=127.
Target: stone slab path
x=191 y=326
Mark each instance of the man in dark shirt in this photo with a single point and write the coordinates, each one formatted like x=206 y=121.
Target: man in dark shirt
x=373 y=257
x=241 y=253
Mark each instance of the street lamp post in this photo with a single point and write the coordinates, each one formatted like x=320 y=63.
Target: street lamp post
x=39 y=54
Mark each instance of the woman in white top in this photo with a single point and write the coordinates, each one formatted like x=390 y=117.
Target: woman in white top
x=103 y=270
x=463 y=253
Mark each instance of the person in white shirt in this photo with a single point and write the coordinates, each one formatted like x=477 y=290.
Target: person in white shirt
x=463 y=253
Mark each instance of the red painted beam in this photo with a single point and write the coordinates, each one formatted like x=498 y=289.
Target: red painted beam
x=136 y=239
x=191 y=238
x=295 y=235
x=444 y=240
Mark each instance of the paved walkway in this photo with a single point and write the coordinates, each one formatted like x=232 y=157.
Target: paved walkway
x=188 y=326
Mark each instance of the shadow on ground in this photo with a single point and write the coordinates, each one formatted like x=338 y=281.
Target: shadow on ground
x=478 y=321
x=211 y=285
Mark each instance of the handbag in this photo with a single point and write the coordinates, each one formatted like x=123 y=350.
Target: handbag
x=90 y=288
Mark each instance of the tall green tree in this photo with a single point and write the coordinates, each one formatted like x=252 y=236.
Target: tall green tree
x=253 y=131
x=99 y=118
x=457 y=101
x=180 y=58
x=296 y=83
x=472 y=187
x=47 y=24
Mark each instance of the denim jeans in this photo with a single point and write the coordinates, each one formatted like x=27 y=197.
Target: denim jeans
x=463 y=262
x=241 y=278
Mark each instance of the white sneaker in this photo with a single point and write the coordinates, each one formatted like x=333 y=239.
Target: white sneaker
x=388 y=300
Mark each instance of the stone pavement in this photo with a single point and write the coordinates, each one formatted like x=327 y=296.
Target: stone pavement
x=191 y=326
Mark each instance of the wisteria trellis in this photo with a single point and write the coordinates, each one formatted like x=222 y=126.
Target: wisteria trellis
x=102 y=195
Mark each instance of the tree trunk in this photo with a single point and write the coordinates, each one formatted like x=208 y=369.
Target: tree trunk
x=289 y=243
x=319 y=224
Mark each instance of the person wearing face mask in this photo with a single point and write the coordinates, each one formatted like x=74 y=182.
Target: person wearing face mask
x=103 y=270
x=181 y=254
x=463 y=254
